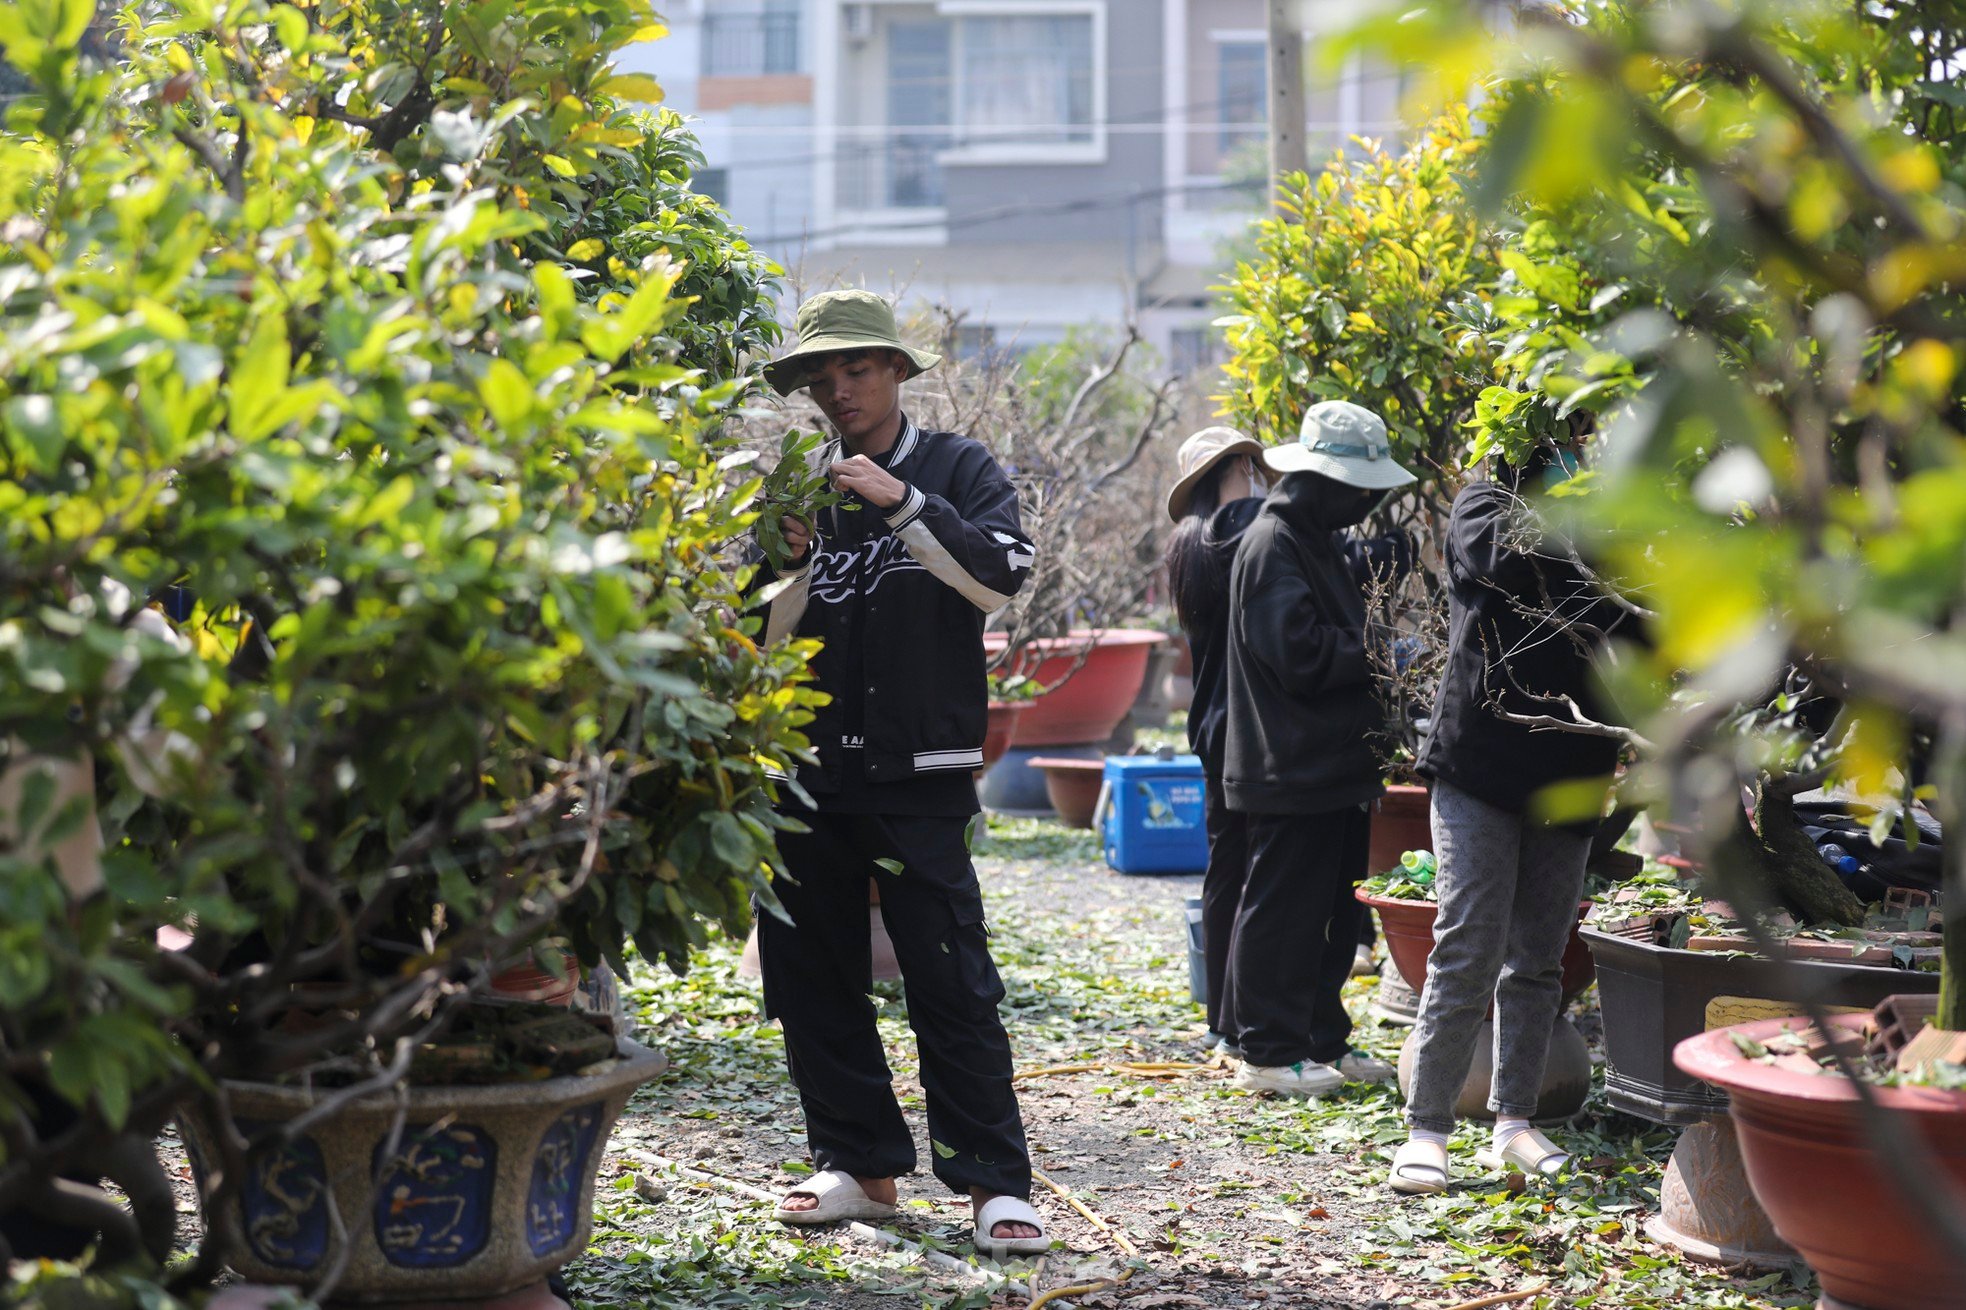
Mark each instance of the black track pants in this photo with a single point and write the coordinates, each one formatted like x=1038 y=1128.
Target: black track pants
x=1296 y=933
x=816 y=972
x=1221 y=894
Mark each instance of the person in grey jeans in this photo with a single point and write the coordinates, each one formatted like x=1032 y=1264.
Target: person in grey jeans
x=1523 y=624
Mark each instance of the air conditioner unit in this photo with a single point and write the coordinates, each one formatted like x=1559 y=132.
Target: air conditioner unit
x=857 y=22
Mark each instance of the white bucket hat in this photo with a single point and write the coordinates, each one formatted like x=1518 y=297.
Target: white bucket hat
x=1200 y=453
x=1346 y=443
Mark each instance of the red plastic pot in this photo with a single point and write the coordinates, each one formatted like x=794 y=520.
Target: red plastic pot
x=1000 y=730
x=1089 y=704
x=1073 y=786
x=1401 y=822
x=1409 y=927
x=1814 y=1168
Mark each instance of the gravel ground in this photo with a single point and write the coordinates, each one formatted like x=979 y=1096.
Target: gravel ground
x=1226 y=1200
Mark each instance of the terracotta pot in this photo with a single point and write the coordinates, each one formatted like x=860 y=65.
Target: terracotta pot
x=1401 y=822
x=1409 y=929
x=1001 y=729
x=1073 y=786
x=488 y=1190
x=1089 y=704
x=1814 y=1168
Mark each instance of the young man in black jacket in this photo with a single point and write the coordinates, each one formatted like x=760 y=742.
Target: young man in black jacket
x=1299 y=761
x=897 y=588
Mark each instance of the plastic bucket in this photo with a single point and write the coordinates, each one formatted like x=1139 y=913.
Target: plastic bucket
x=1197 y=954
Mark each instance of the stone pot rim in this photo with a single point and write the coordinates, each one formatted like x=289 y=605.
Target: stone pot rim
x=637 y=1064
x=1713 y=1057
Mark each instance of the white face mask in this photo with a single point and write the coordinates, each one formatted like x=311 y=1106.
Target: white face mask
x=1259 y=478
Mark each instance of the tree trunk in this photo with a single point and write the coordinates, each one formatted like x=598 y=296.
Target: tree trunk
x=1781 y=858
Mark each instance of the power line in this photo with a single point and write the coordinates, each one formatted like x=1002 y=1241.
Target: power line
x=976 y=218
x=1159 y=121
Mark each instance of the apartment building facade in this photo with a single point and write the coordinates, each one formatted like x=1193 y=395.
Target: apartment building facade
x=1039 y=164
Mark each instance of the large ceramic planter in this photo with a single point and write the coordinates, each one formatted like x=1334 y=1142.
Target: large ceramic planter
x=1815 y=1169
x=488 y=1190
x=1089 y=703
x=1409 y=929
x=1401 y=822
x=1073 y=786
x=1409 y=932
x=1181 y=679
x=1655 y=997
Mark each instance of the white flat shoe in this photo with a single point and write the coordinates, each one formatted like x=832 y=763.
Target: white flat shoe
x=1305 y=1078
x=1008 y=1209
x=839 y=1197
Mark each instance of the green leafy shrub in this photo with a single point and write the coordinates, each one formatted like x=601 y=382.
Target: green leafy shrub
x=1368 y=288
x=291 y=342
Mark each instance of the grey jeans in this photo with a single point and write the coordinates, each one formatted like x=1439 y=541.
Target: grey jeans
x=1508 y=898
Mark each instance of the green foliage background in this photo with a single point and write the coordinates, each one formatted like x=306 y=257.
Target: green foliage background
x=391 y=335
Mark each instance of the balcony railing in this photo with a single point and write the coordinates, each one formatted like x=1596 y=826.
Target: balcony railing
x=747 y=45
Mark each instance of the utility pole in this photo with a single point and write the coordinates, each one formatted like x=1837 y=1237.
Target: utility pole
x=1286 y=95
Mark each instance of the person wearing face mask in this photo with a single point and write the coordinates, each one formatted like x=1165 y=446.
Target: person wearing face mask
x=1523 y=623
x=1220 y=490
x=1298 y=760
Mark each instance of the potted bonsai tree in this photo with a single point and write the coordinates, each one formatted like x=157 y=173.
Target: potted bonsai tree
x=338 y=358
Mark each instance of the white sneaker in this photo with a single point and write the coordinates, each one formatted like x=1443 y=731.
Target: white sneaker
x=1363 y=965
x=1358 y=1067
x=1305 y=1078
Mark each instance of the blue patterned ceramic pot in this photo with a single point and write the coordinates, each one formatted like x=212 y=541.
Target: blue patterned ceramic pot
x=484 y=1190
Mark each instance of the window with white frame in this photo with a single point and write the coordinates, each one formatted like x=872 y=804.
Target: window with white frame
x=1024 y=79
x=1021 y=86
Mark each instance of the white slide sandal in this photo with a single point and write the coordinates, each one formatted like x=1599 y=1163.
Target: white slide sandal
x=1419 y=1169
x=1009 y=1209
x=838 y=1196
x=1528 y=1151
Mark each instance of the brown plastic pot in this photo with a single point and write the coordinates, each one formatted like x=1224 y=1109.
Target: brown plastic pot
x=1401 y=822
x=1815 y=1169
x=1409 y=928
x=1073 y=786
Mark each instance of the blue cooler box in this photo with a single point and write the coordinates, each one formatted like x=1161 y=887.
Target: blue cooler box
x=1151 y=815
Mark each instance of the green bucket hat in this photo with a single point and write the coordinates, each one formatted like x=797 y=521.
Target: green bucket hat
x=842 y=320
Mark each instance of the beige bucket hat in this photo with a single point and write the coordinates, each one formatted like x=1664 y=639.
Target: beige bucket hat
x=1344 y=442
x=842 y=320
x=1201 y=452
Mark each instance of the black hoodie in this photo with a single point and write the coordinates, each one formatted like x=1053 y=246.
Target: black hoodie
x=1208 y=638
x=1301 y=704
x=1507 y=602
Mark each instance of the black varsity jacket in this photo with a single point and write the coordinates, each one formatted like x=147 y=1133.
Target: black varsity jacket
x=950 y=553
